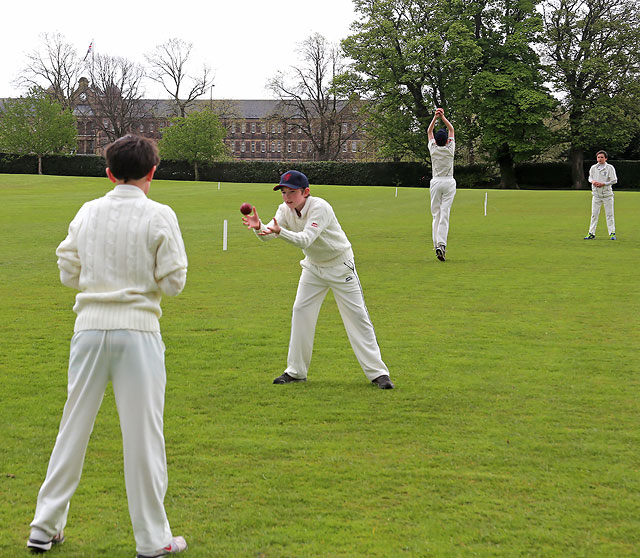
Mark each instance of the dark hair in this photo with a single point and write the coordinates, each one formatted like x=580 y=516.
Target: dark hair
x=603 y=152
x=441 y=137
x=131 y=157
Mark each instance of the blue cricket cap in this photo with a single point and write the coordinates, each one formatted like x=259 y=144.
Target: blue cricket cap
x=293 y=179
x=441 y=137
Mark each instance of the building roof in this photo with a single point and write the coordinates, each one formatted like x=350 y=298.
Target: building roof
x=227 y=108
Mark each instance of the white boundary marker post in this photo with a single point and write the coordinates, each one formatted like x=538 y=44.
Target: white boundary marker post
x=485 y=204
x=218 y=185
x=396 y=191
x=224 y=235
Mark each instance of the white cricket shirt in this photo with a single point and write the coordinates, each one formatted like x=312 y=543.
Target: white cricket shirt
x=316 y=230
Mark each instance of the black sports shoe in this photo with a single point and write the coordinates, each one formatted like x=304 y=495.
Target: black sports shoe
x=440 y=252
x=286 y=379
x=383 y=382
x=590 y=236
x=38 y=547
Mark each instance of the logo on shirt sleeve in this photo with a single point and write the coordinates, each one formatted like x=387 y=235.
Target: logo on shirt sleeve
x=314 y=224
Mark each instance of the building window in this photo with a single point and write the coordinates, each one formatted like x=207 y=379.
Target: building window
x=273 y=128
x=263 y=128
x=299 y=129
x=345 y=127
x=289 y=128
x=279 y=147
x=233 y=127
x=310 y=148
x=288 y=147
x=279 y=128
x=273 y=147
x=354 y=146
x=242 y=147
x=232 y=145
x=141 y=128
x=263 y=146
x=344 y=147
x=253 y=147
x=243 y=128
x=253 y=127
x=299 y=146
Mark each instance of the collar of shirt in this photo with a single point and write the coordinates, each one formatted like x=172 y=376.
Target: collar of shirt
x=126 y=190
x=305 y=209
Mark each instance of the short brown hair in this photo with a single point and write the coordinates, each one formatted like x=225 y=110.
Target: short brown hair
x=131 y=157
x=603 y=152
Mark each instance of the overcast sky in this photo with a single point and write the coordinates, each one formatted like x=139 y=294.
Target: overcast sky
x=245 y=42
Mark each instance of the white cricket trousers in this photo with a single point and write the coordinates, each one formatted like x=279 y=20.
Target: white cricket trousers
x=602 y=197
x=442 y=190
x=313 y=287
x=134 y=362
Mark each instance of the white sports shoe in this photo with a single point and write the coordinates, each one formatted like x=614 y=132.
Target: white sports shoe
x=178 y=544
x=38 y=545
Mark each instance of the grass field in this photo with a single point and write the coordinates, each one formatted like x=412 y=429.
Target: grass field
x=513 y=430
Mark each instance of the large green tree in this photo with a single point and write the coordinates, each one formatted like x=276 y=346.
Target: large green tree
x=511 y=102
x=474 y=58
x=593 y=48
x=37 y=125
x=196 y=138
x=409 y=57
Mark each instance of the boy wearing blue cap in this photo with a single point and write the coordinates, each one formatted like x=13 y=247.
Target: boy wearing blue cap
x=310 y=223
x=442 y=187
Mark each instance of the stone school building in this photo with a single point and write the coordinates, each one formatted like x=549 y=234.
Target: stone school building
x=257 y=130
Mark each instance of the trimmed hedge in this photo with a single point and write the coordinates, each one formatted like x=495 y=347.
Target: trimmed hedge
x=555 y=176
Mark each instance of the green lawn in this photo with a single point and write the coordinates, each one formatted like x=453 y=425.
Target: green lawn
x=513 y=430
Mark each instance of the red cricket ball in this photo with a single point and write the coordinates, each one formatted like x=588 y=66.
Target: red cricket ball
x=245 y=208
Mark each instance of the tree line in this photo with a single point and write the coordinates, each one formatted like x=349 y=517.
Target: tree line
x=520 y=79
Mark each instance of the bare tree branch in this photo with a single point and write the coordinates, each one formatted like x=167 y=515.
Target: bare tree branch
x=116 y=95
x=168 y=64
x=309 y=103
x=55 y=68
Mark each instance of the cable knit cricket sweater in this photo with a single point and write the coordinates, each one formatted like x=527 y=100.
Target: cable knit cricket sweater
x=122 y=252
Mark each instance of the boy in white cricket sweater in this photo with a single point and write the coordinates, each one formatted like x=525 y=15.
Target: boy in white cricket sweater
x=442 y=188
x=602 y=177
x=122 y=252
x=310 y=223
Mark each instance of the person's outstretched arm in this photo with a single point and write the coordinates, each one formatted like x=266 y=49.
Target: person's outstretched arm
x=447 y=124
x=438 y=112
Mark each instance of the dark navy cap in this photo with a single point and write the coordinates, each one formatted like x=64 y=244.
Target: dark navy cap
x=441 y=137
x=293 y=179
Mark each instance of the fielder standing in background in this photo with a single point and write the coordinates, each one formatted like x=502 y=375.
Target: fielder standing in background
x=310 y=223
x=122 y=252
x=442 y=186
x=602 y=177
